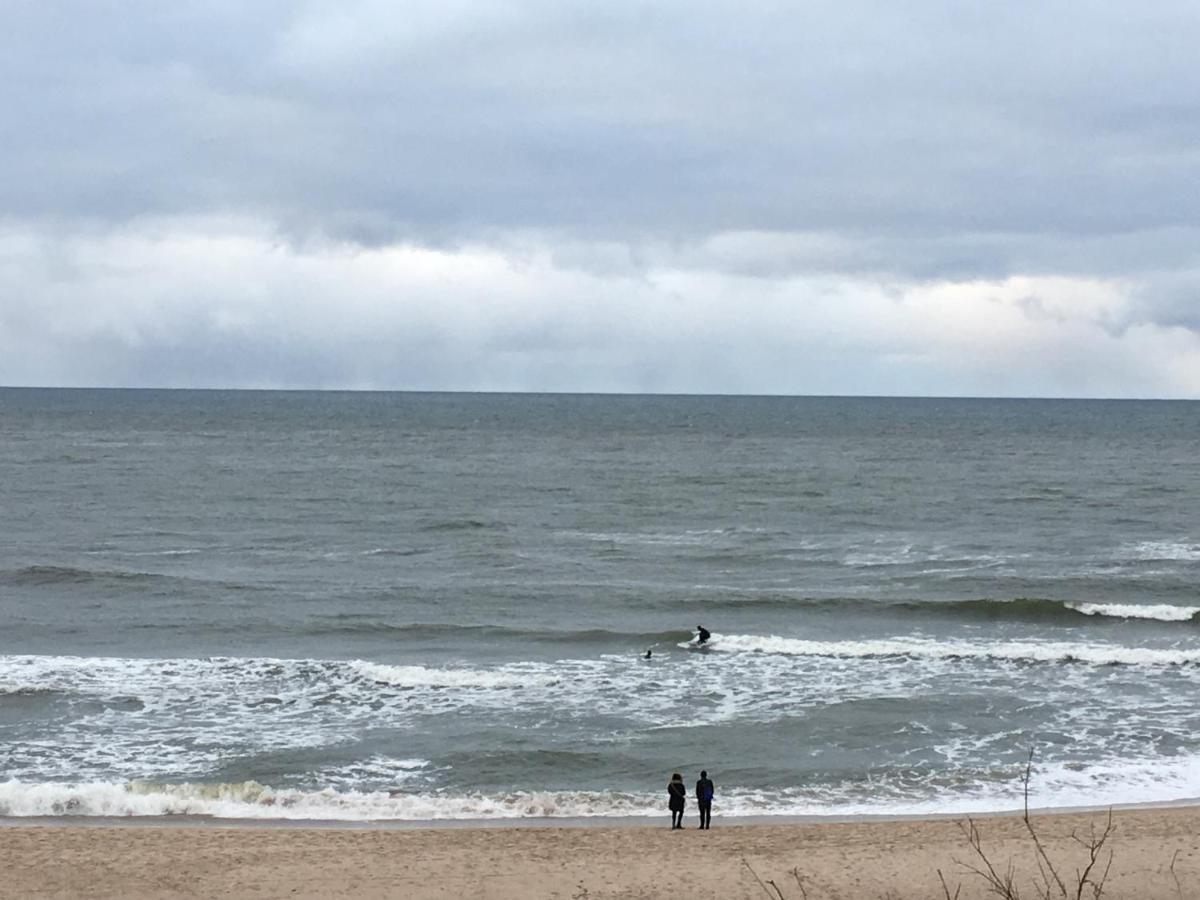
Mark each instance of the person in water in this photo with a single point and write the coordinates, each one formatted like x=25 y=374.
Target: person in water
x=704 y=795
x=676 y=794
x=703 y=634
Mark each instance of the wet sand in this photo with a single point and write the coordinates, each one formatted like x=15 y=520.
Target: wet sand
x=1155 y=854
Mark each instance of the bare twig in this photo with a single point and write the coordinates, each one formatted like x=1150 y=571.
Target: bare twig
x=946 y=889
x=800 y=882
x=1001 y=885
x=746 y=863
x=1178 y=886
x=1095 y=848
x=1025 y=777
x=1090 y=879
x=1048 y=871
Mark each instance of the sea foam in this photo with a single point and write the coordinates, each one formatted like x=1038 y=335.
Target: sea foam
x=1058 y=784
x=1163 y=612
x=923 y=648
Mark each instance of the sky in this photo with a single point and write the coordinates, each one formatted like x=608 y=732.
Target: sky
x=918 y=198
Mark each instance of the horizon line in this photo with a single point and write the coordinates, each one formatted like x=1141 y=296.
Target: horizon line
x=593 y=393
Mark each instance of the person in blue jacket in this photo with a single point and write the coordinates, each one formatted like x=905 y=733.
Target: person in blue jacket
x=704 y=796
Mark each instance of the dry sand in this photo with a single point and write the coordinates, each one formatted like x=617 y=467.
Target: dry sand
x=895 y=859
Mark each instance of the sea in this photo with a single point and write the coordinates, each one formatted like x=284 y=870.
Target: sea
x=417 y=606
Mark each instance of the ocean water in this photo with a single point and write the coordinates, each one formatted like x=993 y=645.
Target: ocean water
x=426 y=606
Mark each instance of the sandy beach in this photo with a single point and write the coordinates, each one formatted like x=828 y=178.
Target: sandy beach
x=1155 y=854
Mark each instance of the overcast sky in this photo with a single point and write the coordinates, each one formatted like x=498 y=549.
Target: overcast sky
x=820 y=198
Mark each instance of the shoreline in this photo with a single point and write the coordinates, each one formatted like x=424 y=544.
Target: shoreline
x=565 y=822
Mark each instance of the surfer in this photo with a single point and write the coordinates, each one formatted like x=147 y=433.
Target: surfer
x=703 y=634
x=648 y=654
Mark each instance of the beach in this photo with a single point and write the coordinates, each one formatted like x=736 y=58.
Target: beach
x=1155 y=854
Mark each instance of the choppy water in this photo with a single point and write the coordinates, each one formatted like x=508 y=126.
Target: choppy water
x=415 y=606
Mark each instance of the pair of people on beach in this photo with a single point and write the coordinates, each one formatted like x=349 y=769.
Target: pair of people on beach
x=677 y=799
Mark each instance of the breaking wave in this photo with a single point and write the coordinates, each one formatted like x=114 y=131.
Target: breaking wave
x=898 y=792
x=1033 y=609
x=1161 y=612
x=923 y=648
x=1027 y=609
x=251 y=800
x=1155 y=551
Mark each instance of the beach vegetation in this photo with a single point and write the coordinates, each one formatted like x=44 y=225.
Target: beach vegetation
x=1053 y=879
x=1051 y=884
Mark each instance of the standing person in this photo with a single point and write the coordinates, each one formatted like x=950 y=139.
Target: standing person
x=704 y=795
x=676 y=793
x=702 y=634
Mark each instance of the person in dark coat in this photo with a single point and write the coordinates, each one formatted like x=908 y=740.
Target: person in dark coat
x=676 y=794
x=704 y=795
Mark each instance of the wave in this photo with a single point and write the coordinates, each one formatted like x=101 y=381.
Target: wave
x=426 y=676
x=51 y=575
x=693 y=537
x=1067 y=611
x=1161 y=612
x=1034 y=609
x=923 y=648
x=263 y=680
x=1156 y=551
x=353 y=624
x=252 y=800
x=462 y=525
x=900 y=792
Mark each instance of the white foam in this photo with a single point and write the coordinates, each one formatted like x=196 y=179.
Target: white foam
x=924 y=648
x=376 y=770
x=423 y=676
x=1163 y=612
x=171 y=720
x=1060 y=783
x=251 y=800
x=692 y=538
x=1184 y=551
x=872 y=558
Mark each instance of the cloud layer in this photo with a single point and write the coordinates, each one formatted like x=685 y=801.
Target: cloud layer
x=849 y=198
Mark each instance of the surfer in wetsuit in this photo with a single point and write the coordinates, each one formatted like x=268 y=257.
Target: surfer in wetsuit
x=703 y=634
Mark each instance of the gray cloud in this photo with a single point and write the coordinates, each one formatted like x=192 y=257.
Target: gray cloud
x=704 y=159
x=1170 y=300
x=918 y=120
x=218 y=303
